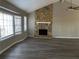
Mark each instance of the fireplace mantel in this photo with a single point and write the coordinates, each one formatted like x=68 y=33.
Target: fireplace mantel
x=43 y=22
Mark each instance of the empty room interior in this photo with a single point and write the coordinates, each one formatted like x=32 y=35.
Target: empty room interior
x=39 y=29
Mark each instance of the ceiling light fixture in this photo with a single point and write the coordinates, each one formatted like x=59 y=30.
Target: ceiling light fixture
x=72 y=7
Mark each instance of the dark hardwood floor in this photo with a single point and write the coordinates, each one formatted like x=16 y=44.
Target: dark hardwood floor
x=44 y=49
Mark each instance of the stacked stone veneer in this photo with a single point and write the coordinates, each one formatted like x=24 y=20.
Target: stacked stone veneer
x=44 y=15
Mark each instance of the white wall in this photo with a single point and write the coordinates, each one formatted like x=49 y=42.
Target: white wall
x=65 y=22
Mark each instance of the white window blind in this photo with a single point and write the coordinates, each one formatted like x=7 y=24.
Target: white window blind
x=6 y=25
x=25 y=23
x=18 y=25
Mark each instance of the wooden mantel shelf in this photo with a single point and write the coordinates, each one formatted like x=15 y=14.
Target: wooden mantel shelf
x=43 y=22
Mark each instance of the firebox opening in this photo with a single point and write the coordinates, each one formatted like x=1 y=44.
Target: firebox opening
x=42 y=31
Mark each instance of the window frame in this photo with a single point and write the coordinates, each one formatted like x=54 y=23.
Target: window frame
x=14 y=33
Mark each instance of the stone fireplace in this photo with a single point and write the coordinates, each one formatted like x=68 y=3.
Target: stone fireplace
x=44 y=22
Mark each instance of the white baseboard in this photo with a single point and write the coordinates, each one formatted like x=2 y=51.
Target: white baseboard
x=10 y=46
x=67 y=37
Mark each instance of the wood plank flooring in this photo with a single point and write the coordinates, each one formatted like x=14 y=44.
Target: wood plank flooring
x=44 y=49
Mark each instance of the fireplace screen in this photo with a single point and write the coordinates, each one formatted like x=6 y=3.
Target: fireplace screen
x=42 y=31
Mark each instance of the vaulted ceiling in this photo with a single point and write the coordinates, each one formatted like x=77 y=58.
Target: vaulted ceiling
x=32 y=5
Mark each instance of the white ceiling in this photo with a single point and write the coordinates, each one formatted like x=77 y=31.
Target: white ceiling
x=31 y=5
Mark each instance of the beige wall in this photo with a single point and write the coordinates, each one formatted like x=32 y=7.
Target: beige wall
x=65 y=22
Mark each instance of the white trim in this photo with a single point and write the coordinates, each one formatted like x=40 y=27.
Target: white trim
x=67 y=37
x=43 y=22
x=10 y=46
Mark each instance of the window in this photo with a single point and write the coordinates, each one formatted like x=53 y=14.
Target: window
x=11 y=25
x=18 y=28
x=6 y=25
x=25 y=23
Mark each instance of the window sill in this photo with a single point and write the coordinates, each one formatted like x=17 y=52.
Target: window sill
x=7 y=37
